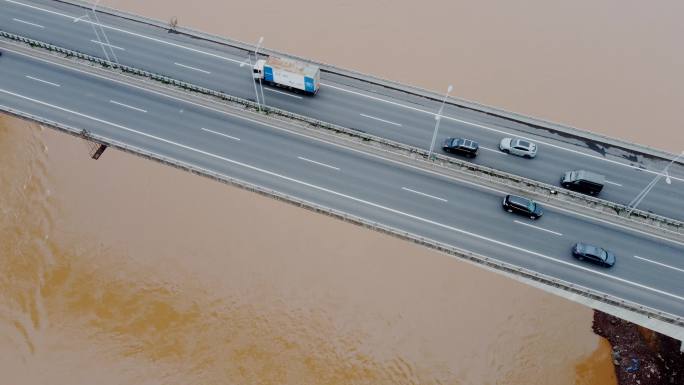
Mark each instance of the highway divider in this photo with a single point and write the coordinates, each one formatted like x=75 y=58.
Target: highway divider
x=615 y=212
x=492 y=263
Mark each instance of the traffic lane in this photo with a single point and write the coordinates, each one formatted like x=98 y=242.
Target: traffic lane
x=115 y=132
x=67 y=88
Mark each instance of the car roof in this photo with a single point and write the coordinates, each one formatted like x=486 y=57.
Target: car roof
x=519 y=200
x=594 y=250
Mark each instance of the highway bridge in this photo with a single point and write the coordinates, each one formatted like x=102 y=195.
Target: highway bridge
x=354 y=180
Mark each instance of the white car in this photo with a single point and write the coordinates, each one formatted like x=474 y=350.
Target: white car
x=519 y=147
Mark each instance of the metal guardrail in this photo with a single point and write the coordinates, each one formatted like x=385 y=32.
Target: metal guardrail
x=447 y=249
x=615 y=210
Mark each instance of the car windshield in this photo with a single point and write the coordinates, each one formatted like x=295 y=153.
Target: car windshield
x=523 y=143
x=456 y=142
x=531 y=206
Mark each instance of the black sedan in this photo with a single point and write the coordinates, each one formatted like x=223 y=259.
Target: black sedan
x=461 y=146
x=594 y=254
x=523 y=206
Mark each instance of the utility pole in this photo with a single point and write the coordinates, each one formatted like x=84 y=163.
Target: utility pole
x=635 y=202
x=437 y=118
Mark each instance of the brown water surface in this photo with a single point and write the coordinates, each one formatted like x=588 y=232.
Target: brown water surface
x=122 y=271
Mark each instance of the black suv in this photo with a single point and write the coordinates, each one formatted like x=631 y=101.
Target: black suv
x=461 y=146
x=583 y=181
x=593 y=254
x=524 y=206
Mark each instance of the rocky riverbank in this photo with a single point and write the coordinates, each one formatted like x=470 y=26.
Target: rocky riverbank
x=641 y=356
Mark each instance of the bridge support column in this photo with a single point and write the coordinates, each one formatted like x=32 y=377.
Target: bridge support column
x=681 y=346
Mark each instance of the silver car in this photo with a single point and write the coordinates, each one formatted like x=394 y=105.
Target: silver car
x=519 y=147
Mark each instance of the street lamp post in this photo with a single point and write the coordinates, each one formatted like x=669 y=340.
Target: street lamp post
x=438 y=118
x=104 y=34
x=256 y=58
x=251 y=74
x=635 y=202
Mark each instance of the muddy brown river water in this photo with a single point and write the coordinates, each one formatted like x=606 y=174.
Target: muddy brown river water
x=124 y=271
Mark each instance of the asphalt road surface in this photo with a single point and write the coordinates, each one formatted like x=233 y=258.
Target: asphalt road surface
x=649 y=270
x=407 y=120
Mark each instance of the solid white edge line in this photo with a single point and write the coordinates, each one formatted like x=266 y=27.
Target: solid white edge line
x=318 y=163
x=538 y=228
x=284 y=93
x=659 y=263
x=28 y=22
x=192 y=68
x=43 y=81
x=127 y=106
x=345 y=90
x=424 y=194
x=358 y=200
x=399 y=163
x=382 y=120
x=108 y=45
x=218 y=133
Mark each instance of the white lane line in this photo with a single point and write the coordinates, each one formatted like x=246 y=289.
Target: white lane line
x=345 y=90
x=382 y=120
x=192 y=68
x=43 y=81
x=127 y=106
x=28 y=22
x=613 y=183
x=397 y=162
x=284 y=93
x=538 y=228
x=358 y=200
x=492 y=150
x=424 y=194
x=107 y=45
x=219 y=133
x=319 y=163
x=493 y=129
x=659 y=263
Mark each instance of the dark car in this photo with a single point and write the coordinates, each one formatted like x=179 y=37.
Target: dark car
x=461 y=146
x=524 y=206
x=583 y=181
x=594 y=254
